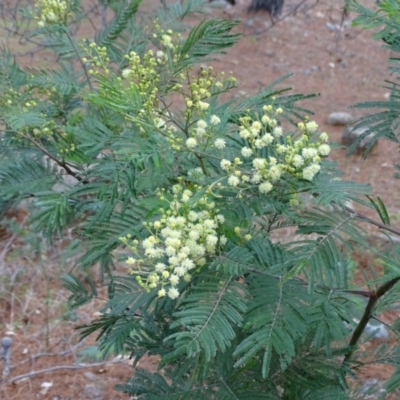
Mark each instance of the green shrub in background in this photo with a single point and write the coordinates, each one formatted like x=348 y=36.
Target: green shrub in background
x=385 y=20
x=128 y=142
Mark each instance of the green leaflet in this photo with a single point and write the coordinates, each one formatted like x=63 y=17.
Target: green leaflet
x=209 y=323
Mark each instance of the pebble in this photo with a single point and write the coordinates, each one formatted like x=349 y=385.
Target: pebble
x=339 y=118
x=330 y=26
x=350 y=135
x=380 y=331
x=90 y=376
x=371 y=389
x=93 y=392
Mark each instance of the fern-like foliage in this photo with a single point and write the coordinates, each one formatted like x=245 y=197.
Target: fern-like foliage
x=267 y=313
x=207 y=324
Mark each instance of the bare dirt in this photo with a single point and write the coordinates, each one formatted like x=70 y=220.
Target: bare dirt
x=326 y=56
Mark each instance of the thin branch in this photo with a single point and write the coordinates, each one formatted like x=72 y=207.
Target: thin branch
x=228 y=389
x=344 y=15
x=80 y=60
x=40 y=355
x=58 y=368
x=371 y=221
x=7 y=247
x=381 y=322
x=22 y=36
x=60 y=163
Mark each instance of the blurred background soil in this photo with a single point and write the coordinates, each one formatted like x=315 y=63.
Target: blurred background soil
x=325 y=55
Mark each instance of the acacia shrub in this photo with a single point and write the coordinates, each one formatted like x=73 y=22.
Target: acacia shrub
x=191 y=192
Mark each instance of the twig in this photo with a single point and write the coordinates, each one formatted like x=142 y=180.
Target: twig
x=58 y=368
x=7 y=247
x=371 y=221
x=22 y=36
x=381 y=322
x=40 y=355
x=60 y=163
x=344 y=15
x=80 y=59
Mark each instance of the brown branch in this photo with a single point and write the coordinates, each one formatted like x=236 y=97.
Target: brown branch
x=58 y=368
x=382 y=290
x=60 y=163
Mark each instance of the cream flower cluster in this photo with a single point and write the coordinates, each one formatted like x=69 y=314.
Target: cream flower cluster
x=300 y=158
x=180 y=241
x=200 y=134
x=202 y=131
x=50 y=11
x=97 y=58
x=168 y=43
x=144 y=76
x=202 y=88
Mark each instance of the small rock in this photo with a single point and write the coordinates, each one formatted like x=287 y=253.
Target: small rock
x=90 y=376
x=330 y=26
x=371 y=389
x=331 y=65
x=93 y=392
x=6 y=342
x=380 y=331
x=350 y=135
x=339 y=118
x=369 y=384
x=45 y=387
